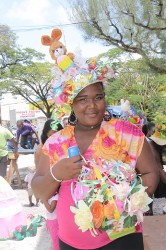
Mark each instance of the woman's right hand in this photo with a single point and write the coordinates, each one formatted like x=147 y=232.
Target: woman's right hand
x=68 y=168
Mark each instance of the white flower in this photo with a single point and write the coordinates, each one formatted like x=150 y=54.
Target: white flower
x=138 y=203
x=120 y=190
x=83 y=216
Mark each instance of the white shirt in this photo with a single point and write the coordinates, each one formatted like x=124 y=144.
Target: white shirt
x=28 y=178
x=52 y=216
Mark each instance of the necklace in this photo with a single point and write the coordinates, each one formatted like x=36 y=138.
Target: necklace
x=87 y=127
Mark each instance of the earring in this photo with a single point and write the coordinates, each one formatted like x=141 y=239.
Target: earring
x=107 y=117
x=72 y=119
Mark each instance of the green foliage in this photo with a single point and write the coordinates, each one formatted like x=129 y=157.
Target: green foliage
x=23 y=72
x=135 y=81
x=136 y=26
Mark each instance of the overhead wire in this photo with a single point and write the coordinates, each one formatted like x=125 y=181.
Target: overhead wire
x=41 y=27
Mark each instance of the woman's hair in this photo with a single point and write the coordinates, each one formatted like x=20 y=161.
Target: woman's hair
x=147 y=127
x=47 y=128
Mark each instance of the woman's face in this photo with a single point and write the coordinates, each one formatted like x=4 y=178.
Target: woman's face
x=89 y=105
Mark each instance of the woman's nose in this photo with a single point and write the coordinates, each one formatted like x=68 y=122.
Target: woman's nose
x=91 y=102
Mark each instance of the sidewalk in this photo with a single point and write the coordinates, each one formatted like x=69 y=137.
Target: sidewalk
x=42 y=240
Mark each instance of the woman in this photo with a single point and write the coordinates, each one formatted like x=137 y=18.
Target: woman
x=49 y=129
x=98 y=141
x=158 y=144
x=148 y=129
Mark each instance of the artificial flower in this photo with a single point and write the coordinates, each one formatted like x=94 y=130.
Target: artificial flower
x=83 y=216
x=97 y=211
x=109 y=209
x=121 y=190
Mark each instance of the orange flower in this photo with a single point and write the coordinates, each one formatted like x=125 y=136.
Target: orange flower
x=97 y=211
x=109 y=210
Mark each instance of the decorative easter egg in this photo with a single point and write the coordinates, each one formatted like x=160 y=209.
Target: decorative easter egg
x=65 y=63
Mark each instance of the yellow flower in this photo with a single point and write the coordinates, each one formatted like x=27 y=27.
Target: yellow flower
x=83 y=216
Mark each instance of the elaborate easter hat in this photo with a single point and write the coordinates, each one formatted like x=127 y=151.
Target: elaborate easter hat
x=72 y=74
x=159 y=136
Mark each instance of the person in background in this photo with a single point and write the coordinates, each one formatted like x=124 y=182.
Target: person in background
x=46 y=133
x=158 y=144
x=50 y=127
x=51 y=223
x=99 y=141
x=148 y=129
x=27 y=133
x=65 y=122
x=28 y=179
x=6 y=135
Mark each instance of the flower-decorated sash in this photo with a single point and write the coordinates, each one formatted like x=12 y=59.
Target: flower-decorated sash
x=109 y=197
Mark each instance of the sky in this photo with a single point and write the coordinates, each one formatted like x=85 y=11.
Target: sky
x=32 y=14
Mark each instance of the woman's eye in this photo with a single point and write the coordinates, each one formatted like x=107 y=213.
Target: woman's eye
x=99 y=98
x=82 y=100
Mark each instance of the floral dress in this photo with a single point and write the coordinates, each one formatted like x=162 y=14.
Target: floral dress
x=116 y=140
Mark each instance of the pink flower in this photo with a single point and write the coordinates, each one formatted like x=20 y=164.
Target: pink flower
x=18 y=228
x=30 y=216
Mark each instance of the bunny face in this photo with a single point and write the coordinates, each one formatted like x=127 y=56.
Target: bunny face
x=57 y=49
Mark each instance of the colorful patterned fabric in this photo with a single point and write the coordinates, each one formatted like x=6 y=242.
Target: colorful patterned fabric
x=116 y=139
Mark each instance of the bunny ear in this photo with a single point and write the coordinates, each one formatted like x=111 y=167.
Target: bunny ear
x=46 y=40
x=56 y=34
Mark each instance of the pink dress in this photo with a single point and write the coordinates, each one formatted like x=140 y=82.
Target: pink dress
x=11 y=212
x=52 y=224
x=116 y=139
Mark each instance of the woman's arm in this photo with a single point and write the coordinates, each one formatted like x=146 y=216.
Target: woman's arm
x=44 y=185
x=147 y=167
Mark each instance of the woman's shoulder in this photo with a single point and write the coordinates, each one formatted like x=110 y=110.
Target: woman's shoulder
x=123 y=126
x=59 y=139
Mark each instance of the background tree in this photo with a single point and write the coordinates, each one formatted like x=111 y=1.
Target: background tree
x=33 y=83
x=11 y=54
x=136 y=82
x=21 y=74
x=136 y=26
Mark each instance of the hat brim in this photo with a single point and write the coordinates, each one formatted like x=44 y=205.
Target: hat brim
x=158 y=140
x=89 y=84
